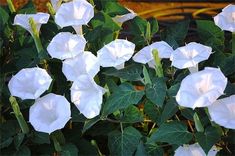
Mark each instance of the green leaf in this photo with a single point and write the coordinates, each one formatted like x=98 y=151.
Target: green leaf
x=104 y=20
x=169 y=110
x=4 y=17
x=154 y=26
x=123 y=144
x=89 y=123
x=69 y=150
x=18 y=139
x=187 y=113
x=157 y=91
x=124 y=96
x=172 y=91
x=113 y=8
x=141 y=150
x=152 y=111
x=130 y=73
x=132 y=115
x=173 y=37
x=208 y=138
x=40 y=138
x=172 y=133
x=137 y=28
x=210 y=34
x=227 y=65
x=198 y=123
x=24 y=151
x=154 y=150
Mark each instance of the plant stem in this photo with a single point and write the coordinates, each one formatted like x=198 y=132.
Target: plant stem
x=11 y=6
x=121 y=126
x=233 y=43
x=19 y=116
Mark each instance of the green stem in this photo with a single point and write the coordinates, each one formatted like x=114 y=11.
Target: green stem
x=121 y=127
x=11 y=6
x=19 y=116
x=38 y=43
x=233 y=43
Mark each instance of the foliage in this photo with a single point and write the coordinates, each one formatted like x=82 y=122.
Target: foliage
x=139 y=114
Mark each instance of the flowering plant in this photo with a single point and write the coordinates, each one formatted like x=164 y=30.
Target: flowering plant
x=97 y=79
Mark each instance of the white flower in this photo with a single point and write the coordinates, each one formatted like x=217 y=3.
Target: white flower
x=84 y=63
x=29 y=83
x=49 y=113
x=145 y=55
x=126 y=17
x=222 y=112
x=116 y=53
x=202 y=88
x=23 y=20
x=190 y=55
x=226 y=19
x=74 y=13
x=66 y=45
x=87 y=96
x=194 y=150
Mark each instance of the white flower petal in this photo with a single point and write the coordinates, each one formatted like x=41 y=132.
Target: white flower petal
x=49 y=113
x=23 y=20
x=190 y=55
x=222 y=112
x=126 y=17
x=87 y=96
x=74 y=13
x=226 y=19
x=201 y=89
x=29 y=83
x=145 y=55
x=194 y=150
x=82 y=64
x=66 y=45
x=116 y=53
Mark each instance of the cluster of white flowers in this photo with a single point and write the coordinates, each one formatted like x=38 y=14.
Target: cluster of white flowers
x=52 y=112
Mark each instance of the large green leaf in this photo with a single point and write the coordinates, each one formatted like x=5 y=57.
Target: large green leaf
x=173 y=37
x=227 y=65
x=130 y=73
x=40 y=138
x=69 y=150
x=152 y=111
x=132 y=115
x=172 y=133
x=113 y=8
x=141 y=150
x=208 y=138
x=210 y=34
x=89 y=123
x=123 y=143
x=156 y=91
x=169 y=110
x=124 y=96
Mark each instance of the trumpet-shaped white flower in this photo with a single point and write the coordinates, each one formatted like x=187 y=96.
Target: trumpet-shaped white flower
x=190 y=55
x=145 y=55
x=66 y=45
x=226 y=19
x=194 y=150
x=222 y=112
x=123 y=18
x=202 y=88
x=87 y=96
x=116 y=53
x=29 y=83
x=75 y=13
x=84 y=63
x=23 y=20
x=49 y=113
